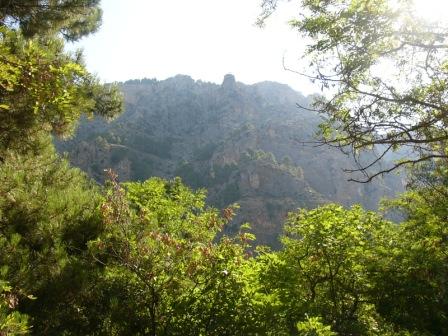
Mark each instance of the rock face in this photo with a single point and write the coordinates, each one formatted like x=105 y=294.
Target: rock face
x=244 y=143
x=229 y=82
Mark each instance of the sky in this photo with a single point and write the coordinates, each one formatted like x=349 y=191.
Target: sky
x=205 y=39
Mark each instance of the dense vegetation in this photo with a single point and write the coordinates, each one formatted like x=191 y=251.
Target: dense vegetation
x=149 y=258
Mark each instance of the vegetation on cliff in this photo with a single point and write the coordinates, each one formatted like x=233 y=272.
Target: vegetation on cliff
x=243 y=143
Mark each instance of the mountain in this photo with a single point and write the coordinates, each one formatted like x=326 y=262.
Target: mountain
x=243 y=143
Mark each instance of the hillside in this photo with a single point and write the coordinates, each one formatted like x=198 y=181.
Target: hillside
x=243 y=143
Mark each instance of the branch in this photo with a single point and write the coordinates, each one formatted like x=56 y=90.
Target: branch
x=396 y=166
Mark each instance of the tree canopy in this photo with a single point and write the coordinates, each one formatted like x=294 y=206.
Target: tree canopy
x=384 y=75
x=47 y=209
x=72 y=19
x=44 y=90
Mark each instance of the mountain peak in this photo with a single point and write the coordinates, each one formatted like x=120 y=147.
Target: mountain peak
x=229 y=81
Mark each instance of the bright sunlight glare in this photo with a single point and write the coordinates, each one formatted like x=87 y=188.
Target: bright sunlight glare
x=431 y=10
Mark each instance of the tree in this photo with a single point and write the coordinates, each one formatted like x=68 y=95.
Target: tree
x=411 y=282
x=11 y=321
x=43 y=88
x=48 y=211
x=72 y=19
x=325 y=269
x=385 y=74
x=165 y=270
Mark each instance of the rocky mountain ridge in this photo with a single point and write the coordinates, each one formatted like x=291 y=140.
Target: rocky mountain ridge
x=244 y=143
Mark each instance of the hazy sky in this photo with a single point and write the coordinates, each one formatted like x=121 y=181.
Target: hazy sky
x=202 y=38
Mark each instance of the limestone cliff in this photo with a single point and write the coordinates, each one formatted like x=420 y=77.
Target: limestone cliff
x=244 y=143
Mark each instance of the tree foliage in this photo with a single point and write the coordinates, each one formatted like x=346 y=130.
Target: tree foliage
x=313 y=326
x=47 y=215
x=44 y=89
x=72 y=19
x=160 y=248
x=384 y=71
x=326 y=267
x=48 y=211
x=413 y=275
x=361 y=274
x=11 y=321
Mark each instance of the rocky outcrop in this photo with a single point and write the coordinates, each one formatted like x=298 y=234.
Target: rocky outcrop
x=229 y=82
x=244 y=143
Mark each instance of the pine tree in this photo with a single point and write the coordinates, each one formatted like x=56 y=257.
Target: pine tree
x=48 y=210
x=72 y=19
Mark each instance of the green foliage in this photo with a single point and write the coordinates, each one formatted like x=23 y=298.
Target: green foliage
x=360 y=51
x=48 y=211
x=44 y=90
x=287 y=161
x=47 y=216
x=149 y=261
x=313 y=326
x=325 y=268
x=401 y=279
x=413 y=277
x=159 y=249
x=11 y=321
x=361 y=274
x=260 y=155
x=72 y=18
